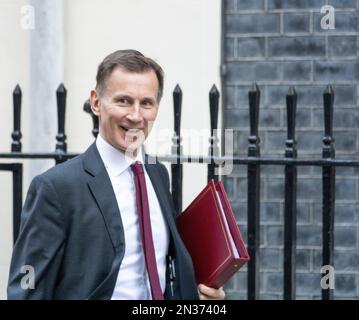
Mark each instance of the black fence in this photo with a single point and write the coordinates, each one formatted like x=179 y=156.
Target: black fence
x=214 y=161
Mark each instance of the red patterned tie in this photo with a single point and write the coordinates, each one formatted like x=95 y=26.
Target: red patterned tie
x=146 y=232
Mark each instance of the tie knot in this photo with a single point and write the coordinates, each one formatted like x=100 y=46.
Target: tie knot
x=137 y=167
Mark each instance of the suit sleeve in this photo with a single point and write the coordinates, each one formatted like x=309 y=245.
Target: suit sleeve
x=38 y=251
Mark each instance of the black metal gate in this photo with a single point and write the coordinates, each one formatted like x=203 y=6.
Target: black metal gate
x=254 y=161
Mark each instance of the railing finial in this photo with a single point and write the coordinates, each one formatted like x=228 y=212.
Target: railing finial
x=291 y=100
x=177 y=167
x=254 y=95
x=213 y=107
x=213 y=140
x=328 y=140
x=61 y=145
x=16 y=134
x=177 y=108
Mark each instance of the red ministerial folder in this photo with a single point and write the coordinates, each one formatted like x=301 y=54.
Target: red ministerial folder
x=210 y=233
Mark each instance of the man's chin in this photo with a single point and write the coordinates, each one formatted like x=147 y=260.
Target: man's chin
x=129 y=147
x=130 y=151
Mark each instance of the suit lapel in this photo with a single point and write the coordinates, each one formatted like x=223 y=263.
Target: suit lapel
x=101 y=189
x=161 y=193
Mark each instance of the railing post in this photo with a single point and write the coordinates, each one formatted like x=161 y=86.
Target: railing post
x=328 y=187
x=213 y=140
x=177 y=168
x=17 y=198
x=87 y=109
x=16 y=134
x=61 y=146
x=253 y=178
x=290 y=202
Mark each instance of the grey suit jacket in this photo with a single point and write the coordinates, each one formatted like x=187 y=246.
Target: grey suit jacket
x=72 y=235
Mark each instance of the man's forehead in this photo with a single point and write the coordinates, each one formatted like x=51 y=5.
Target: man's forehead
x=124 y=81
x=125 y=73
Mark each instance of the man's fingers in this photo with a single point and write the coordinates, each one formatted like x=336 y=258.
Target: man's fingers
x=210 y=293
x=202 y=297
x=207 y=290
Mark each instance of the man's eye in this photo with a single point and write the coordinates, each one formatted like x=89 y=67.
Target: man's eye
x=122 y=101
x=147 y=104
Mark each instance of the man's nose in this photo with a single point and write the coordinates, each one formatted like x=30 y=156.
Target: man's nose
x=135 y=114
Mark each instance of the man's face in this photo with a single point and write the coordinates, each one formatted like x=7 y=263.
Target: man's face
x=126 y=108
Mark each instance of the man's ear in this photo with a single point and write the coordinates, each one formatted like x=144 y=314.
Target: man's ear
x=95 y=102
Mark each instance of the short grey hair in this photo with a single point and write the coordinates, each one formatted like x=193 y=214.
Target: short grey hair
x=130 y=60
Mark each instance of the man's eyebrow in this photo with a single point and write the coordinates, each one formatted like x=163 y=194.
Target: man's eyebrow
x=149 y=99
x=122 y=96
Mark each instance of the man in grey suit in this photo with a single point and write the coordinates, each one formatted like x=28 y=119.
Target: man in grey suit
x=81 y=235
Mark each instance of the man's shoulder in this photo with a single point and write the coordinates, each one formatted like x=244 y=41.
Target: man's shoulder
x=71 y=168
x=68 y=167
x=162 y=167
x=159 y=170
x=65 y=173
x=153 y=161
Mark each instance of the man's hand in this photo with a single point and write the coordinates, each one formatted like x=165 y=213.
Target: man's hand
x=207 y=293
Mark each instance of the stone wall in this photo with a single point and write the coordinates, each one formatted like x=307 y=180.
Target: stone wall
x=278 y=44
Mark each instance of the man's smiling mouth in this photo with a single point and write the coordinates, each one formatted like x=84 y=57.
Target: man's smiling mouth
x=131 y=130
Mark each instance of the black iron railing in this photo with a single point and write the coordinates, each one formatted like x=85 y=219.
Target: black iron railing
x=214 y=161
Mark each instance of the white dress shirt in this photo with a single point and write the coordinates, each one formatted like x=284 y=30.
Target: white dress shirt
x=132 y=280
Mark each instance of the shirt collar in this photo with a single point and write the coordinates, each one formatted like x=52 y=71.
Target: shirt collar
x=116 y=161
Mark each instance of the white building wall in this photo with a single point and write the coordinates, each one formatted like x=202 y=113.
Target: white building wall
x=14 y=66
x=183 y=36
